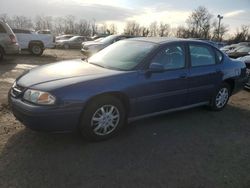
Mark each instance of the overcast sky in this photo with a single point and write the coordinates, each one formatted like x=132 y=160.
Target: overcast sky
x=174 y=12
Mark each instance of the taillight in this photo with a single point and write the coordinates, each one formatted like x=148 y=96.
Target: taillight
x=13 y=39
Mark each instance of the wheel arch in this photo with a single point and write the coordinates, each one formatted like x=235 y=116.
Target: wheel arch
x=36 y=42
x=231 y=83
x=117 y=94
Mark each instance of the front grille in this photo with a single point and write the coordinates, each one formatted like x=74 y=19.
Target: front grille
x=16 y=90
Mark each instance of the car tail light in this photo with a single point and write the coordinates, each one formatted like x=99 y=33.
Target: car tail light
x=13 y=39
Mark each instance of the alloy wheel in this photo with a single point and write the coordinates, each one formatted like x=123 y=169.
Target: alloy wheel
x=222 y=97
x=105 y=120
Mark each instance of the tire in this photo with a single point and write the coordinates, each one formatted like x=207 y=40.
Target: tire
x=221 y=97
x=1 y=54
x=36 y=49
x=97 y=115
x=66 y=46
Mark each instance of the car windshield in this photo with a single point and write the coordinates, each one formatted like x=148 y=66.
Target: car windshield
x=123 y=55
x=108 y=39
x=73 y=38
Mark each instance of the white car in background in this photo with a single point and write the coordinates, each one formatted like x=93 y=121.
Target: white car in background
x=8 y=42
x=33 y=41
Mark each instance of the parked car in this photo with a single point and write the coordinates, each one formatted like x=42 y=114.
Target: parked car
x=126 y=81
x=246 y=60
x=97 y=36
x=35 y=42
x=64 y=37
x=231 y=47
x=239 y=52
x=8 y=41
x=91 y=47
x=73 y=42
x=47 y=32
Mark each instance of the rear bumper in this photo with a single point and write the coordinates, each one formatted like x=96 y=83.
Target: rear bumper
x=12 y=49
x=239 y=84
x=45 y=118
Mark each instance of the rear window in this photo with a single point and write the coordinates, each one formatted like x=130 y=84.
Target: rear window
x=2 y=30
x=21 y=31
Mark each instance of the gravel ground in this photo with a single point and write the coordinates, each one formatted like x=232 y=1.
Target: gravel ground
x=190 y=149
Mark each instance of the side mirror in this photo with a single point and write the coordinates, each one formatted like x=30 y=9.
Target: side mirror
x=156 y=67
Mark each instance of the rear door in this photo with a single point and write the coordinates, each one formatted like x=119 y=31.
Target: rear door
x=204 y=73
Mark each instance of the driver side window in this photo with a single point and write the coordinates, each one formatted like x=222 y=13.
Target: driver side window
x=171 y=57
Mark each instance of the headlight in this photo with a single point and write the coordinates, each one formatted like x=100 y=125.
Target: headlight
x=39 y=97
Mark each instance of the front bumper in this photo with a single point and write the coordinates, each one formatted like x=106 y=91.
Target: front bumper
x=45 y=118
x=86 y=53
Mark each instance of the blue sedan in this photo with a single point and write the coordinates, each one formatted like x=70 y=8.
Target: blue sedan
x=129 y=80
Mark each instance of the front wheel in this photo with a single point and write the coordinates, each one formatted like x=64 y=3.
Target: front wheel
x=102 y=119
x=221 y=97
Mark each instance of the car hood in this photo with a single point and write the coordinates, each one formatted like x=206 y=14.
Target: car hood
x=61 y=71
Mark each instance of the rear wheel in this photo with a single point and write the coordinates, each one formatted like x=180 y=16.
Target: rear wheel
x=102 y=119
x=221 y=97
x=36 y=49
x=1 y=54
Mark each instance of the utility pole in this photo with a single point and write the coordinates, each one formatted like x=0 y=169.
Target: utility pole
x=220 y=18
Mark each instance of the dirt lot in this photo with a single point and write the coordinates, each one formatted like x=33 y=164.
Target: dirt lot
x=192 y=149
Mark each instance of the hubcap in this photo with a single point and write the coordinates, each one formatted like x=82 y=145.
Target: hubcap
x=105 y=120
x=221 y=97
x=36 y=49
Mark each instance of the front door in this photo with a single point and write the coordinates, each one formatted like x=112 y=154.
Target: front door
x=160 y=91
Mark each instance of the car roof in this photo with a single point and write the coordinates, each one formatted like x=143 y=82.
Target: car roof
x=164 y=40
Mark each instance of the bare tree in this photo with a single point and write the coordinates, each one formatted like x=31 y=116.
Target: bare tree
x=43 y=22
x=199 y=23
x=93 y=27
x=241 y=34
x=132 y=28
x=164 y=30
x=219 y=33
x=83 y=27
x=112 y=28
x=153 y=29
x=143 y=31
x=182 y=32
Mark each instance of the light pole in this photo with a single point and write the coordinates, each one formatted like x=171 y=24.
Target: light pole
x=220 y=18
